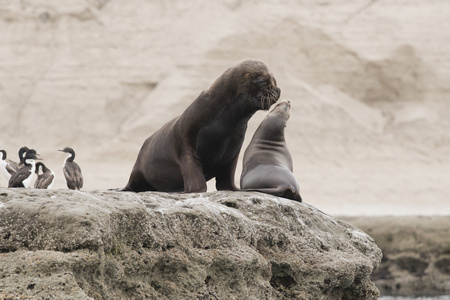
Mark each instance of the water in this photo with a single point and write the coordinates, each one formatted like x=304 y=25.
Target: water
x=412 y=298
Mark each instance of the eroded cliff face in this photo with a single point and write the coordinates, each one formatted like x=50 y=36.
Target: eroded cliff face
x=220 y=245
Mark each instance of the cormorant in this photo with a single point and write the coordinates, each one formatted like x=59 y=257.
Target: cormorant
x=44 y=180
x=23 y=177
x=72 y=171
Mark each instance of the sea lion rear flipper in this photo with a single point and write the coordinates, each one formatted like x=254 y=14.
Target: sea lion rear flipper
x=137 y=183
x=281 y=191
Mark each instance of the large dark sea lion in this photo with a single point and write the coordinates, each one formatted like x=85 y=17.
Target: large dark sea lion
x=205 y=140
x=267 y=165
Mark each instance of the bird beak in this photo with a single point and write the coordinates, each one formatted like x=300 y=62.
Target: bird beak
x=61 y=150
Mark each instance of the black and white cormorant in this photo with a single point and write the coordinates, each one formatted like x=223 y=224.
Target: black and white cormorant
x=22 y=151
x=44 y=180
x=8 y=166
x=23 y=177
x=72 y=171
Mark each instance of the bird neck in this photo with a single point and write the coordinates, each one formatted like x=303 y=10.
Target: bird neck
x=22 y=154
x=71 y=157
x=29 y=161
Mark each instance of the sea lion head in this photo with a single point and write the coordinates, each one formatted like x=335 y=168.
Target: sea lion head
x=254 y=83
x=272 y=127
x=280 y=113
x=261 y=84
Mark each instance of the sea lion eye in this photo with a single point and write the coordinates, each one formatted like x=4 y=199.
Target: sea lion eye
x=260 y=81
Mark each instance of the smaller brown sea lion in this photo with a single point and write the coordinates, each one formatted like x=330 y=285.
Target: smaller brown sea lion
x=267 y=164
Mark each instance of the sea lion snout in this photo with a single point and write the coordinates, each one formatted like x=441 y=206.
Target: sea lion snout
x=285 y=103
x=270 y=97
x=277 y=92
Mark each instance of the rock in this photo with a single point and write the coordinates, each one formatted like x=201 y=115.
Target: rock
x=416 y=253
x=63 y=244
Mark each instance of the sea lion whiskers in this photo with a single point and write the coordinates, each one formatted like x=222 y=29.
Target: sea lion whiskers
x=266 y=99
x=273 y=94
x=271 y=98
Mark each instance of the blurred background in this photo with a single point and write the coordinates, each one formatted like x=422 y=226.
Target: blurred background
x=368 y=82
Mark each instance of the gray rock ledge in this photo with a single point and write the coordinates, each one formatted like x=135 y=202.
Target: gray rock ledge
x=63 y=244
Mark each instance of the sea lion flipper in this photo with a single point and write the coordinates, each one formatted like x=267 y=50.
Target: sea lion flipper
x=192 y=172
x=281 y=191
x=225 y=184
x=137 y=184
x=225 y=180
x=276 y=191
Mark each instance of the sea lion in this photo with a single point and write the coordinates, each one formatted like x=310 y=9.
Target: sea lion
x=267 y=164
x=205 y=140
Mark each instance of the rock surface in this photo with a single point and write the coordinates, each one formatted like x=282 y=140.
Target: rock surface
x=416 y=253
x=108 y=245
